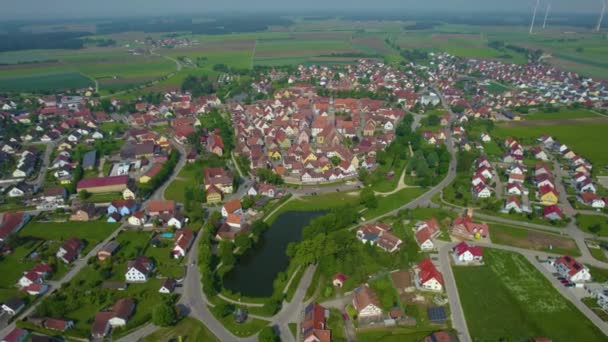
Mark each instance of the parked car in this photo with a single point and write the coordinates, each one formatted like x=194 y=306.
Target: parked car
x=570 y=285
x=345 y=316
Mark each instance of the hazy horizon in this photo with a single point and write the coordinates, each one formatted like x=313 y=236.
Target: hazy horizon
x=43 y=10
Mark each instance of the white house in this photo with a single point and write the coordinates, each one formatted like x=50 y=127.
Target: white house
x=571 y=269
x=485 y=137
x=423 y=238
x=139 y=269
x=366 y=302
x=464 y=253
x=482 y=191
x=428 y=277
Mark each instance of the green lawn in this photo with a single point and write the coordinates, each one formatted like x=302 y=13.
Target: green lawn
x=92 y=232
x=509 y=299
x=394 y=201
x=393 y=335
x=583 y=222
x=13 y=265
x=189 y=329
x=583 y=138
x=44 y=82
x=562 y=114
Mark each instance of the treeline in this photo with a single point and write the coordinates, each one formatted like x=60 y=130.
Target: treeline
x=198 y=86
x=53 y=40
x=146 y=190
x=221 y=25
x=352 y=55
x=421 y=25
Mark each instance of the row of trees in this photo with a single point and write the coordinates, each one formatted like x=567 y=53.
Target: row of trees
x=145 y=190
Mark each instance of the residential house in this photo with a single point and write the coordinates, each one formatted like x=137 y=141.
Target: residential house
x=117 y=316
x=85 y=212
x=571 y=269
x=465 y=253
x=552 y=213
x=161 y=207
x=214 y=195
x=366 y=302
x=139 y=269
x=314 y=324
x=465 y=227
x=16 y=335
x=168 y=286
x=231 y=207
x=548 y=195
x=428 y=277
x=220 y=178
x=70 y=250
x=108 y=250
x=12 y=223
x=183 y=242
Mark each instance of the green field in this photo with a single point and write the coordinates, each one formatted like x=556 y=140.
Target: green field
x=44 y=82
x=562 y=114
x=189 y=329
x=509 y=299
x=583 y=222
x=582 y=138
x=91 y=232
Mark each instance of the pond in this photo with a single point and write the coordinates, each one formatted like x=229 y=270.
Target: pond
x=256 y=270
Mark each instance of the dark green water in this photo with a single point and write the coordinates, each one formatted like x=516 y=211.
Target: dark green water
x=256 y=270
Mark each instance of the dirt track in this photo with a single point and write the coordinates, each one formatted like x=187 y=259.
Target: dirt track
x=552 y=122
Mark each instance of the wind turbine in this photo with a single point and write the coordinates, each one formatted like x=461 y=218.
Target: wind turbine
x=534 y=16
x=599 y=21
x=546 y=14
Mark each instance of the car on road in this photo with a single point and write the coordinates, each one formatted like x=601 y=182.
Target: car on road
x=569 y=285
x=345 y=316
x=564 y=281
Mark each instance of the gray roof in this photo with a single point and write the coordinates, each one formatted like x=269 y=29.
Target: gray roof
x=89 y=159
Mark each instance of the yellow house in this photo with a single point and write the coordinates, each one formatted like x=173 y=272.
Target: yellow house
x=320 y=139
x=274 y=154
x=549 y=198
x=128 y=194
x=355 y=162
x=569 y=155
x=214 y=195
x=144 y=179
x=311 y=156
x=325 y=167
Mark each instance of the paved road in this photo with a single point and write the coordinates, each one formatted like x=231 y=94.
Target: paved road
x=46 y=160
x=459 y=321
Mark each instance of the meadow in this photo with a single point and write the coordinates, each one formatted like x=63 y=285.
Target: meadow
x=585 y=221
x=517 y=302
x=562 y=114
x=582 y=138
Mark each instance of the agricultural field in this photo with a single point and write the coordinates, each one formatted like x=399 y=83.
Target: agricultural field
x=533 y=239
x=517 y=302
x=562 y=114
x=567 y=132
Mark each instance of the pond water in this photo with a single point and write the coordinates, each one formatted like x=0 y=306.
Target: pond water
x=256 y=270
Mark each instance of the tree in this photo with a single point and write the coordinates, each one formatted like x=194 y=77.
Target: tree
x=368 y=198
x=83 y=195
x=243 y=242
x=595 y=229
x=268 y=335
x=164 y=315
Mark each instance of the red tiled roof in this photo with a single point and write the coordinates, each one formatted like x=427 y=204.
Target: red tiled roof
x=100 y=182
x=428 y=271
x=10 y=222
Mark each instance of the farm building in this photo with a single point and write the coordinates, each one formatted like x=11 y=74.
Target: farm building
x=103 y=184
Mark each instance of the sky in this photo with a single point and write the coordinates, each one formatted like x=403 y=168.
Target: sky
x=48 y=9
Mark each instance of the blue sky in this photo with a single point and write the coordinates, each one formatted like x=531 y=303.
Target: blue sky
x=16 y=9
